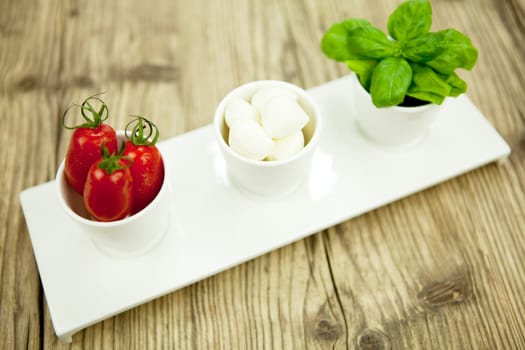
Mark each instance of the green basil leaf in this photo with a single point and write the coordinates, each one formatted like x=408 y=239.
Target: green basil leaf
x=426 y=79
x=353 y=23
x=368 y=42
x=427 y=85
x=410 y=19
x=427 y=96
x=457 y=85
x=390 y=81
x=363 y=69
x=334 y=43
x=458 y=52
x=423 y=48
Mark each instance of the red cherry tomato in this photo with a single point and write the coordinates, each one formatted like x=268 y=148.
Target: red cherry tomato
x=108 y=193
x=85 y=143
x=147 y=172
x=147 y=169
x=84 y=150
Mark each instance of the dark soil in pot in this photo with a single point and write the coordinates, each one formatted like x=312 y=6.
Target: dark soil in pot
x=412 y=102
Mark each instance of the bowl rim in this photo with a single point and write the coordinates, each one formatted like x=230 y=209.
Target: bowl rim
x=405 y=109
x=218 y=121
x=61 y=182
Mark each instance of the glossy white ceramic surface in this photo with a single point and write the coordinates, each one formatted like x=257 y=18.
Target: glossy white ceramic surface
x=393 y=126
x=269 y=179
x=126 y=238
x=214 y=225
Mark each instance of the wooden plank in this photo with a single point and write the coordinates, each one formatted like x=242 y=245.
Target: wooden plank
x=29 y=46
x=441 y=269
x=427 y=272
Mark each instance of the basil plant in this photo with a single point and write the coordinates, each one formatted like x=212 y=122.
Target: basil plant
x=410 y=64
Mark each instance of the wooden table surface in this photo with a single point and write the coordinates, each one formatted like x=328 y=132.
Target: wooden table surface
x=441 y=269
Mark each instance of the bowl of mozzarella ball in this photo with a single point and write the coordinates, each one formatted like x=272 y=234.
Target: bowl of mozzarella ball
x=267 y=132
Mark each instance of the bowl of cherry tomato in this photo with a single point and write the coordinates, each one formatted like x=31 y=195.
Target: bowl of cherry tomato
x=113 y=184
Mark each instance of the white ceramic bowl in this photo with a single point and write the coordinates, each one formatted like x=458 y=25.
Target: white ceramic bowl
x=269 y=178
x=392 y=126
x=128 y=237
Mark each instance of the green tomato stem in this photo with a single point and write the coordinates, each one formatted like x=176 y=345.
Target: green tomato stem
x=112 y=162
x=94 y=119
x=142 y=132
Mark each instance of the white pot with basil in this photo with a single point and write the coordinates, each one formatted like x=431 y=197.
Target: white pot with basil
x=401 y=80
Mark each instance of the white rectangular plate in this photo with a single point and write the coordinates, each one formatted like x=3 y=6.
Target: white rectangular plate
x=214 y=226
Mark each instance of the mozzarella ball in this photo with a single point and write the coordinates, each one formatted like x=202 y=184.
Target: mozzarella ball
x=287 y=147
x=261 y=97
x=239 y=109
x=248 y=139
x=282 y=116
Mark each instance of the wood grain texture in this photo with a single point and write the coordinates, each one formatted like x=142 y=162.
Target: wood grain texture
x=442 y=269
